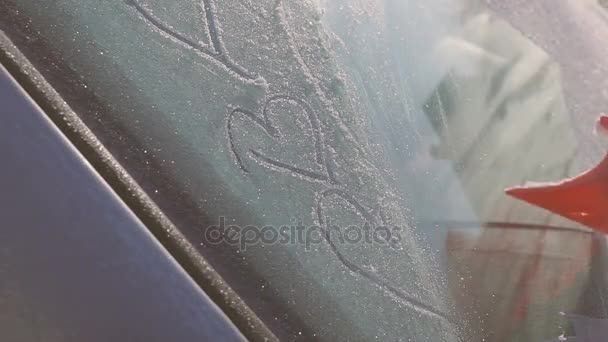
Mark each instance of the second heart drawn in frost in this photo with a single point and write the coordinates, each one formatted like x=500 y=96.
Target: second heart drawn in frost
x=294 y=141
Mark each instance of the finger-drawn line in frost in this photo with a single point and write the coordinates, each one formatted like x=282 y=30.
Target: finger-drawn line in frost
x=215 y=49
x=268 y=126
x=384 y=285
x=329 y=178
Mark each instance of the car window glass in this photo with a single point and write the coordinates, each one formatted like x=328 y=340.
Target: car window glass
x=300 y=128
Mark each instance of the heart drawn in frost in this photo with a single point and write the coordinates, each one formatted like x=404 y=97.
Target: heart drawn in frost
x=296 y=144
x=353 y=256
x=213 y=47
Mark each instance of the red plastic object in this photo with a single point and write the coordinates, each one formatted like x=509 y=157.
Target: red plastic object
x=583 y=198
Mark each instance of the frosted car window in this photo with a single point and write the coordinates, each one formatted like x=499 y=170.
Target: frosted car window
x=411 y=115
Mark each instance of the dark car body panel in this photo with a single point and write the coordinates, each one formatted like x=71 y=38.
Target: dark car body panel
x=75 y=263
